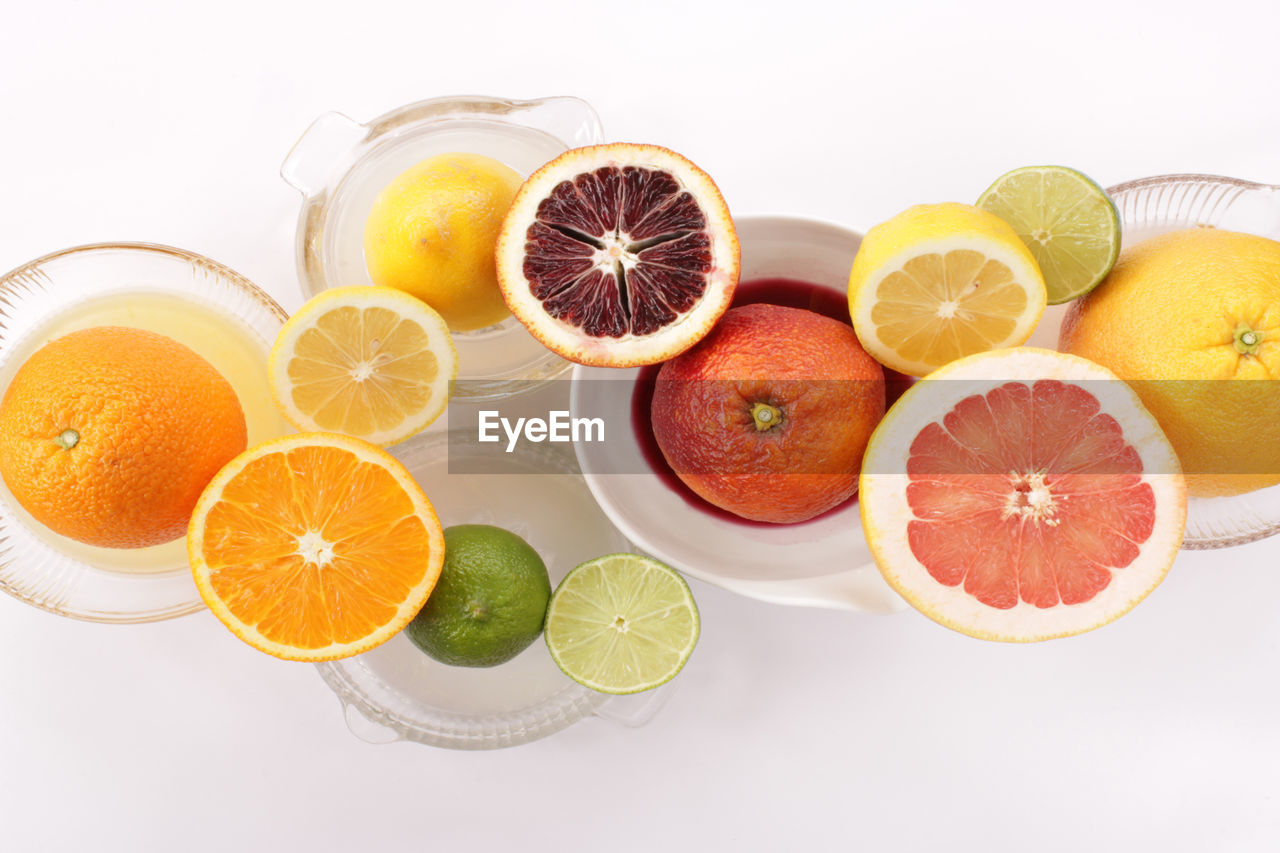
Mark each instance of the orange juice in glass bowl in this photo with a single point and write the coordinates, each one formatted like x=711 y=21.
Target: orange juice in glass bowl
x=212 y=310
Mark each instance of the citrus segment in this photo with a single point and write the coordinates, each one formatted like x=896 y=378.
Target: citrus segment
x=314 y=546
x=939 y=282
x=371 y=362
x=622 y=623
x=618 y=255
x=1022 y=495
x=432 y=231
x=1069 y=223
x=108 y=435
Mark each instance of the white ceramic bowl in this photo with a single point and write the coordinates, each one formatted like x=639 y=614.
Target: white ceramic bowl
x=824 y=562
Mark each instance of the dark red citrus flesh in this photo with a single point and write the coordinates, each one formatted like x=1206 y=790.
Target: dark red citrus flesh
x=617 y=251
x=1027 y=493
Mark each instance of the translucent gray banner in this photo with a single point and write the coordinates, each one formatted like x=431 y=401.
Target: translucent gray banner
x=979 y=427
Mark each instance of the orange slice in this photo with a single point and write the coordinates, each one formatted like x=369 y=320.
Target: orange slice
x=314 y=546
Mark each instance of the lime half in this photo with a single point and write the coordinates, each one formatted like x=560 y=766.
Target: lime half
x=621 y=624
x=1067 y=221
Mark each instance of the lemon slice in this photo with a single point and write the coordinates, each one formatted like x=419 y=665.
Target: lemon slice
x=621 y=624
x=939 y=282
x=370 y=362
x=1068 y=222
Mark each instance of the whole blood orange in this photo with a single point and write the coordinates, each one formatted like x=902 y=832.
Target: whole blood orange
x=108 y=435
x=1020 y=495
x=769 y=415
x=618 y=255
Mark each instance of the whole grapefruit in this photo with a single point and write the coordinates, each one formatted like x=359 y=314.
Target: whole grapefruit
x=769 y=415
x=1191 y=319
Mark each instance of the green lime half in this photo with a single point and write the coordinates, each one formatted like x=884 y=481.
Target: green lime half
x=490 y=600
x=622 y=623
x=1068 y=222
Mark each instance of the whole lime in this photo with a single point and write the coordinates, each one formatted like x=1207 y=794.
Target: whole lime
x=490 y=600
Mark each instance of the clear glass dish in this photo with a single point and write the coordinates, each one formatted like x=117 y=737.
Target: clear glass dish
x=340 y=166
x=396 y=692
x=1152 y=206
x=210 y=308
x=824 y=562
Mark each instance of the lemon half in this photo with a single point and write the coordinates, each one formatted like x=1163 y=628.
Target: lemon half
x=370 y=362
x=939 y=282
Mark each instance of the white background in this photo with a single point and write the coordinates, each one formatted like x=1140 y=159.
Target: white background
x=790 y=728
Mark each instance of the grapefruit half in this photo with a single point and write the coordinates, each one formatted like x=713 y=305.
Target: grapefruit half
x=1022 y=495
x=618 y=255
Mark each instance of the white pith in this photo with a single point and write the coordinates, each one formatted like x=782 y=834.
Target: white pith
x=627 y=350
x=1031 y=498
x=315 y=549
x=886 y=511
x=617 y=249
x=1024 y=274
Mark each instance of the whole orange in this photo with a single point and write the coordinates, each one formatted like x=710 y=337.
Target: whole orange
x=768 y=416
x=108 y=435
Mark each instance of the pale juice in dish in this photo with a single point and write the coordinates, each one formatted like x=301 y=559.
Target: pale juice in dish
x=233 y=349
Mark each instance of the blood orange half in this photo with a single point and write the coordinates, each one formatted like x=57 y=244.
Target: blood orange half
x=618 y=255
x=1022 y=495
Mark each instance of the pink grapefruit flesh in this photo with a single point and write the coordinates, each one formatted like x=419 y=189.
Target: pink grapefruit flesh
x=1021 y=495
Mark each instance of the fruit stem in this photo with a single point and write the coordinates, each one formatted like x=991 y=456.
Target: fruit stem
x=1247 y=340
x=477 y=610
x=67 y=439
x=766 y=417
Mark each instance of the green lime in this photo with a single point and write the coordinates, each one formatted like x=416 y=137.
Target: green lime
x=489 y=602
x=622 y=623
x=1068 y=222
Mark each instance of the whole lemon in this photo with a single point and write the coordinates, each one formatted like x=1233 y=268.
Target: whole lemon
x=1192 y=320
x=432 y=233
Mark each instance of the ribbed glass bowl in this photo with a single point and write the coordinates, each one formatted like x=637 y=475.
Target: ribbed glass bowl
x=395 y=692
x=119 y=585
x=1156 y=205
